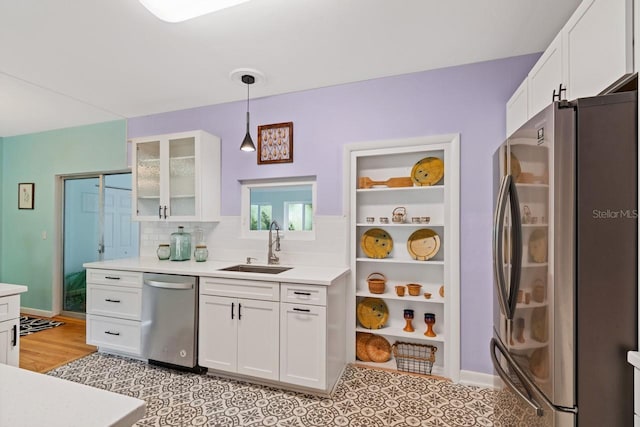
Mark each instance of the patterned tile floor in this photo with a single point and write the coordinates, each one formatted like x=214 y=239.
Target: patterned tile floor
x=362 y=397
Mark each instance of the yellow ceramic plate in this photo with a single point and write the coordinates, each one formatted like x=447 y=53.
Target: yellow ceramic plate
x=376 y=243
x=427 y=171
x=372 y=313
x=423 y=244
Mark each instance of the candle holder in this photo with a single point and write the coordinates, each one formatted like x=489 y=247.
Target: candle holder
x=430 y=320
x=408 y=317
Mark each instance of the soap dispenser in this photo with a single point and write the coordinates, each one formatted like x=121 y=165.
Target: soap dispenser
x=180 y=245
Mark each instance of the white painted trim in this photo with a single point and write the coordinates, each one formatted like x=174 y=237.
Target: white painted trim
x=479 y=379
x=450 y=145
x=36 y=312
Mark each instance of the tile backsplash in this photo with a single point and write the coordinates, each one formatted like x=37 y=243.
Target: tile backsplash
x=223 y=242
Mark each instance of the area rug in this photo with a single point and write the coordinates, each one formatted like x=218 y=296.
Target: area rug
x=362 y=397
x=30 y=325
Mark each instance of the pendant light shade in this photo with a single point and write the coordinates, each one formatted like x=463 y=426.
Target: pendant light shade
x=247 y=143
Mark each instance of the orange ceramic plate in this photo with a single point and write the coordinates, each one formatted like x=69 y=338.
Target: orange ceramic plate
x=428 y=171
x=372 y=313
x=423 y=244
x=376 y=243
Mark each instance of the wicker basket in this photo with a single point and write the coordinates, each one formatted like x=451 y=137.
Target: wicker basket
x=376 y=284
x=416 y=358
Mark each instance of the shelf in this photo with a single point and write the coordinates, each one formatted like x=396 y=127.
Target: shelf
x=545 y=186
x=545 y=225
x=391 y=224
x=534 y=264
x=183 y=196
x=148 y=160
x=182 y=158
x=399 y=189
x=149 y=197
x=399 y=333
x=391 y=364
x=523 y=306
x=435 y=297
x=529 y=344
x=399 y=261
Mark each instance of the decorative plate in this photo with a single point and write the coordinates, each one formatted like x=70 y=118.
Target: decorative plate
x=423 y=244
x=378 y=349
x=361 y=346
x=372 y=313
x=538 y=246
x=427 y=171
x=516 y=170
x=376 y=243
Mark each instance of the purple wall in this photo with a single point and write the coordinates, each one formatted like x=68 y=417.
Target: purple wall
x=468 y=99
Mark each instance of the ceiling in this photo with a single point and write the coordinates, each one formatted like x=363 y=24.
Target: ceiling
x=67 y=63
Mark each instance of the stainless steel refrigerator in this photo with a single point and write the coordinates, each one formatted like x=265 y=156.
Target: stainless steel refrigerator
x=565 y=265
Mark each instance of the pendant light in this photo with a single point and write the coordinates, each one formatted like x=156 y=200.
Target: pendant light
x=247 y=143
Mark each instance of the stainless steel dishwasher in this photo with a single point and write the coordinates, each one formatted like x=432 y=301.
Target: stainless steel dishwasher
x=170 y=320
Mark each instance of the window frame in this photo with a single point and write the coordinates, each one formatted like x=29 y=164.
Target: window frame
x=245 y=214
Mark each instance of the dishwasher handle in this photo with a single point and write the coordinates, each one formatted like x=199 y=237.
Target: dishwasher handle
x=168 y=285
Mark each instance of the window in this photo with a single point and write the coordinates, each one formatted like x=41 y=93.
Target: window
x=290 y=202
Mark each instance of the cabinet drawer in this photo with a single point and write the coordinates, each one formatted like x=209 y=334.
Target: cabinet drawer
x=115 y=334
x=303 y=294
x=250 y=289
x=115 y=277
x=9 y=307
x=114 y=301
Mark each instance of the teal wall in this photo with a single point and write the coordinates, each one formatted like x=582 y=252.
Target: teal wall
x=26 y=258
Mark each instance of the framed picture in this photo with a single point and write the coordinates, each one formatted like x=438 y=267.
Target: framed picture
x=25 y=195
x=275 y=143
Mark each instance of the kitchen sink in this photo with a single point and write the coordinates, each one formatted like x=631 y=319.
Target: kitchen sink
x=248 y=268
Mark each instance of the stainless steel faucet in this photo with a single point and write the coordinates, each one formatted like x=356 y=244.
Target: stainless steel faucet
x=272 y=258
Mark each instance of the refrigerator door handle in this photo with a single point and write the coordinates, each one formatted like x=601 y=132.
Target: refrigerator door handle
x=516 y=247
x=498 y=246
x=516 y=369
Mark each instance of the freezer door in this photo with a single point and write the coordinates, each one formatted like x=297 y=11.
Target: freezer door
x=519 y=402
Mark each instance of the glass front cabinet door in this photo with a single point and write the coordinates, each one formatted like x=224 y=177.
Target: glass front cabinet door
x=177 y=177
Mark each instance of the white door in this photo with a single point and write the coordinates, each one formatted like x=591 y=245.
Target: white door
x=258 y=338
x=120 y=233
x=10 y=342
x=303 y=348
x=217 y=333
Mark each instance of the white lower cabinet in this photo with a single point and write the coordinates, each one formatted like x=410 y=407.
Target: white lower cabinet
x=114 y=311
x=303 y=345
x=291 y=333
x=244 y=339
x=10 y=330
x=239 y=335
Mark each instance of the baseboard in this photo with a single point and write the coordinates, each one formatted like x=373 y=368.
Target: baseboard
x=36 y=312
x=479 y=379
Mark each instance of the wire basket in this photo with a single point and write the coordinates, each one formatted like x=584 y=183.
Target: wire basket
x=415 y=358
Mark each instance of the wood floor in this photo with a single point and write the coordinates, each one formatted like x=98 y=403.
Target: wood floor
x=46 y=350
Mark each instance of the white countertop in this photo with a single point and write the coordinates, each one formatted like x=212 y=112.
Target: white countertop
x=298 y=274
x=7 y=289
x=31 y=399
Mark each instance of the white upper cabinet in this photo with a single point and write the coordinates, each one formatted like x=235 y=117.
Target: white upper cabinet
x=518 y=108
x=592 y=51
x=599 y=45
x=177 y=177
x=546 y=77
